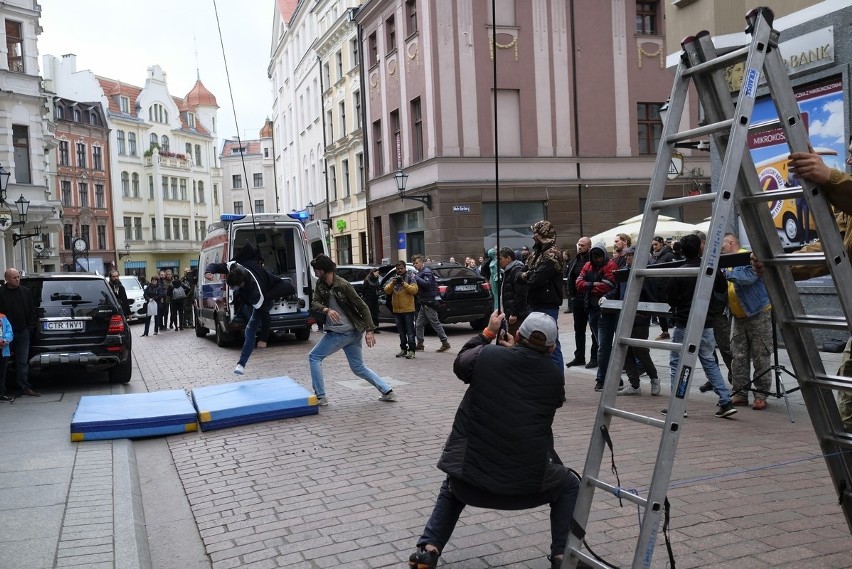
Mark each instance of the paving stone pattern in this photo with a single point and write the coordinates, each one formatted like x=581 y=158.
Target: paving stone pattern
x=354 y=485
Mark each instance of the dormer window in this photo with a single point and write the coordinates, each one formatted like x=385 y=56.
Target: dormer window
x=158 y=113
x=77 y=115
x=124 y=104
x=60 y=112
x=190 y=119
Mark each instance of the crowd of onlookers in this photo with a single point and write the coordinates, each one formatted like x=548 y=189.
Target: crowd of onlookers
x=168 y=301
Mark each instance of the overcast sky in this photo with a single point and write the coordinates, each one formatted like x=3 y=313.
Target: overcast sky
x=120 y=40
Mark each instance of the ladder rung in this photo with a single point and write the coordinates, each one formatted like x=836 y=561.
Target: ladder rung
x=773 y=195
x=655 y=308
x=791 y=259
x=591 y=561
x=652 y=344
x=819 y=321
x=763 y=126
x=843 y=440
x=685 y=200
x=730 y=58
x=673 y=272
x=701 y=131
x=612 y=490
x=635 y=417
x=832 y=381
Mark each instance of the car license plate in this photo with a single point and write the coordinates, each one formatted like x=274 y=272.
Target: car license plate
x=64 y=325
x=466 y=288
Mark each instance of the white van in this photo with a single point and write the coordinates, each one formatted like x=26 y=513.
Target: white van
x=285 y=245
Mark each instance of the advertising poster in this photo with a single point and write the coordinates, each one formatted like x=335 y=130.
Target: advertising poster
x=821 y=105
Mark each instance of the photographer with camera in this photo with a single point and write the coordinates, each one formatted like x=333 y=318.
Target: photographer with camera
x=402 y=289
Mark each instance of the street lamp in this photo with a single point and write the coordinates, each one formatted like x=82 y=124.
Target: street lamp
x=126 y=251
x=23 y=205
x=311 y=210
x=401 y=178
x=4 y=183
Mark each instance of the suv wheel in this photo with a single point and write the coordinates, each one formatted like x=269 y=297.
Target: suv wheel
x=122 y=372
x=223 y=339
x=303 y=334
x=200 y=331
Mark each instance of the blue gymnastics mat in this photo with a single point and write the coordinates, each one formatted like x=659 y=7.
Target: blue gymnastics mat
x=245 y=402
x=134 y=415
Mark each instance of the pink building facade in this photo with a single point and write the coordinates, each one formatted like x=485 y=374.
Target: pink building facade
x=578 y=88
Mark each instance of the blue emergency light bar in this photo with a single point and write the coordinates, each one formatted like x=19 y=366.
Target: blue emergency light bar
x=302 y=216
x=226 y=217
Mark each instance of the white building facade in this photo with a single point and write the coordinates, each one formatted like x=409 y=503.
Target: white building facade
x=248 y=174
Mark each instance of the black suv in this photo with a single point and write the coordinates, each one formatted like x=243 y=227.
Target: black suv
x=465 y=296
x=80 y=323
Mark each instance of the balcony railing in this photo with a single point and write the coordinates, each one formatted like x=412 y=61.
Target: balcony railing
x=169 y=162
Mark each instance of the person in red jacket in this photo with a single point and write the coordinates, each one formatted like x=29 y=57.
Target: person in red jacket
x=596 y=281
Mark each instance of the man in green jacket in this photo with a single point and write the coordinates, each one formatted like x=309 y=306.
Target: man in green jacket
x=347 y=318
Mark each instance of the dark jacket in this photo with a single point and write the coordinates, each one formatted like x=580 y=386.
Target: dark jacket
x=543 y=276
x=575 y=267
x=156 y=293
x=427 y=288
x=371 y=289
x=501 y=440
x=353 y=306
x=596 y=280
x=18 y=306
x=260 y=286
x=121 y=295
x=680 y=290
x=514 y=290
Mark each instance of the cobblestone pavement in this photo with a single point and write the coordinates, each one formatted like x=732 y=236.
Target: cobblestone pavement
x=354 y=485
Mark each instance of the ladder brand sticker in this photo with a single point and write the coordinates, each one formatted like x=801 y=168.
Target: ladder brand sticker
x=751 y=82
x=683 y=382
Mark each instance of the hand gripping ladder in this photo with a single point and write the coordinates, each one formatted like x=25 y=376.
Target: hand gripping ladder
x=729 y=123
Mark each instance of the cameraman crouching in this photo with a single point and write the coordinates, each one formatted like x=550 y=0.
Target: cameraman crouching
x=500 y=451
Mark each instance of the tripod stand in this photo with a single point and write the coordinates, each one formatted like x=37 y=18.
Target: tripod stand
x=777 y=369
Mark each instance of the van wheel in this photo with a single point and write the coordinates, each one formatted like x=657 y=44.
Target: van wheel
x=303 y=334
x=122 y=372
x=200 y=331
x=223 y=339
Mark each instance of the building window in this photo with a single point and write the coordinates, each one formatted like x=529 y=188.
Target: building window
x=373 y=49
x=416 y=131
x=326 y=74
x=158 y=113
x=124 y=104
x=100 y=202
x=378 y=155
x=153 y=228
x=342 y=112
x=63 y=153
x=83 y=189
x=101 y=229
x=93 y=119
x=505 y=13
x=188 y=149
x=131 y=142
x=396 y=140
x=167 y=229
x=343 y=245
x=135 y=185
x=151 y=187
x=81 y=155
x=346 y=188
x=65 y=190
x=237 y=182
x=258 y=180
x=174 y=189
x=266 y=152
x=354 y=51
x=201 y=193
x=258 y=206
x=176 y=227
x=154 y=141
x=332 y=181
x=15 y=46
x=78 y=116
x=97 y=158
x=67 y=233
x=197 y=155
x=60 y=112
x=646 y=18
x=329 y=127
x=390 y=34
x=184 y=229
x=356 y=97
x=137 y=228
x=338 y=60
x=119 y=136
x=125 y=185
x=183 y=189
x=215 y=194
x=190 y=120
x=359 y=161
x=650 y=127
x=165 y=184
x=21 y=151
x=410 y=17
x=238 y=207
x=164 y=143
x=128 y=229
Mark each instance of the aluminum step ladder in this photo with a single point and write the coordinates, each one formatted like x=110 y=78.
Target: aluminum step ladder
x=729 y=125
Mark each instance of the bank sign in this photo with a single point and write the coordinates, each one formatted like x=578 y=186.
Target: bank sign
x=808 y=51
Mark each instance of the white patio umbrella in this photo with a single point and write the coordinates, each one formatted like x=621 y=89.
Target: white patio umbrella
x=641 y=215
x=665 y=228
x=704 y=225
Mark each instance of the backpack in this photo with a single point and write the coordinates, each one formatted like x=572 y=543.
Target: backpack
x=178 y=292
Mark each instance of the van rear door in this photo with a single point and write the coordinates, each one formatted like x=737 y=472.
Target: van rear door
x=316 y=234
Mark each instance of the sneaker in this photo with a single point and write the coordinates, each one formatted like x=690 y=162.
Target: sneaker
x=409 y=355
x=240 y=369
x=444 y=347
x=759 y=404
x=655 y=386
x=706 y=387
x=420 y=347
x=576 y=362
x=6 y=398
x=685 y=413
x=389 y=396
x=402 y=353
x=422 y=559
x=663 y=336
x=726 y=410
x=592 y=364
x=322 y=401
x=630 y=390
x=598 y=386
x=29 y=391
x=739 y=400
